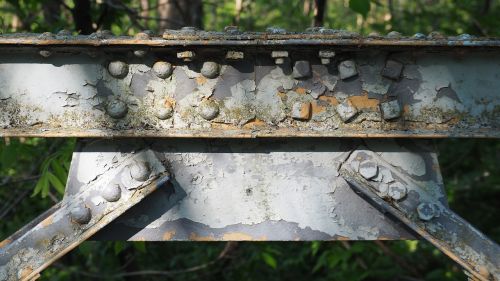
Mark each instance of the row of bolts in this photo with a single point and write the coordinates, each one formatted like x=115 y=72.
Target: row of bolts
x=397 y=191
x=209 y=109
x=81 y=214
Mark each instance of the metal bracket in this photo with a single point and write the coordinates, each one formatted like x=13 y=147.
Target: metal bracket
x=417 y=208
x=123 y=181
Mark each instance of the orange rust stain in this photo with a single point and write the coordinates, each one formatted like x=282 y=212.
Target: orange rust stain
x=26 y=272
x=254 y=124
x=305 y=111
x=5 y=243
x=169 y=102
x=240 y=236
x=301 y=91
x=168 y=235
x=48 y=221
x=223 y=126
x=363 y=102
x=200 y=80
x=194 y=237
x=330 y=100
x=406 y=108
x=281 y=95
x=317 y=108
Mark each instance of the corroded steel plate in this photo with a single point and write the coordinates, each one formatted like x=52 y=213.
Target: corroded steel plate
x=288 y=189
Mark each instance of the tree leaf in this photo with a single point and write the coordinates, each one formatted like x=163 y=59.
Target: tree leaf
x=55 y=182
x=360 y=6
x=269 y=260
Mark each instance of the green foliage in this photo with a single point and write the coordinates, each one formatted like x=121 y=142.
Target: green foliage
x=360 y=6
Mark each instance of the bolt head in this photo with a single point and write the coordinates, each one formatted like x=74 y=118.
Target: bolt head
x=210 y=69
x=397 y=191
x=164 y=109
x=394 y=35
x=162 y=69
x=368 y=169
x=116 y=108
x=426 y=211
x=140 y=171
x=208 y=109
x=232 y=29
x=186 y=55
x=347 y=69
x=390 y=109
x=275 y=30
x=419 y=35
x=144 y=35
x=112 y=193
x=118 y=69
x=235 y=55
x=80 y=214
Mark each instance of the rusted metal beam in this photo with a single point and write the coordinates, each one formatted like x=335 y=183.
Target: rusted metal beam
x=102 y=196
x=414 y=205
x=55 y=85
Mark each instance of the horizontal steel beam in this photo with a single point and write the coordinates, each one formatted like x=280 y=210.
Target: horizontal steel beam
x=48 y=88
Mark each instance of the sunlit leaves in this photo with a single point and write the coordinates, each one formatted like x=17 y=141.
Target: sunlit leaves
x=360 y=6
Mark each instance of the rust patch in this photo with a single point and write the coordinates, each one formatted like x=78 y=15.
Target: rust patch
x=194 y=237
x=222 y=126
x=330 y=100
x=200 y=80
x=363 y=102
x=48 y=221
x=26 y=272
x=317 y=107
x=255 y=123
x=168 y=235
x=301 y=91
x=406 y=108
x=240 y=236
x=5 y=243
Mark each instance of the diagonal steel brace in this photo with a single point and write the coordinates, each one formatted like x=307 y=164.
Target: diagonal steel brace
x=417 y=208
x=126 y=179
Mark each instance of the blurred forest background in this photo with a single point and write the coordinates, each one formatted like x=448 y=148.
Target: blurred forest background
x=33 y=170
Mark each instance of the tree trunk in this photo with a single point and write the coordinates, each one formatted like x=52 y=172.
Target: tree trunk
x=319 y=12
x=175 y=14
x=81 y=15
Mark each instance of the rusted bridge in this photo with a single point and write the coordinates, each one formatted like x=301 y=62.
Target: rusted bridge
x=197 y=135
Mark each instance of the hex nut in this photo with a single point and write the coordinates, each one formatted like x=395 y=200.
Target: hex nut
x=112 y=193
x=208 y=109
x=301 y=69
x=368 y=169
x=118 y=69
x=80 y=214
x=164 y=109
x=426 y=211
x=326 y=56
x=346 y=110
x=116 y=108
x=279 y=56
x=162 y=69
x=301 y=110
x=210 y=69
x=140 y=171
x=397 y=191
x=383 y=189
x=347 y=69
x=392 y=69
x=390 y=109
x=186 y=55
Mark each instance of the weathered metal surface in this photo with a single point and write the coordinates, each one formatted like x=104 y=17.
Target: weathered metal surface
x=287 y=189
x=415 y=205
x=103 y=194
x=197 y=92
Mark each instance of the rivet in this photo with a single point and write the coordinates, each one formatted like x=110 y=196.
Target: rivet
x=368 y=169
x=162 y=69
x=465 y=36
x=347 y=69
x=419 y=35
x=397 y=191
x=301 y=69
x=116 y=108
x=45 y=53
x=426 y=211
x=234 y=55
x=64 y=32
x=143 y=35
x=80 y=214
x=140 y=171
x=394 y=35
x=326 y=56
x=392 y=69
x=118 y=69
x=208 y=109
x=140 y=53
x=435 y=35
x=101 y=34
x=390 y=109
x=164 y=109
x=210 y=69
x=46 y=36
x=301 y=110
x=279 y=56
x=275 y=30
x=346 y=110
x=232 y=29
x=112 y=193
x=186 y=55
x=374 y=34
x=189 y=29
